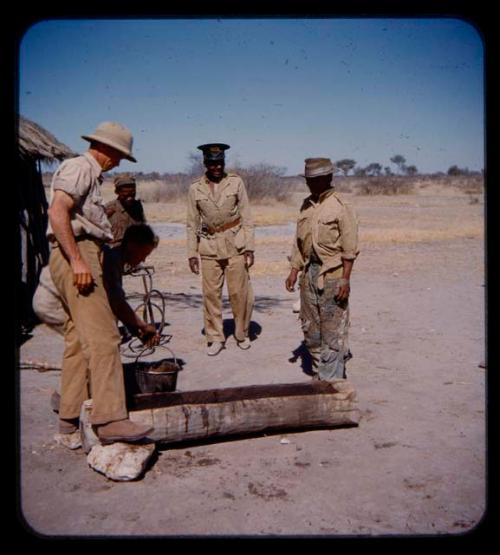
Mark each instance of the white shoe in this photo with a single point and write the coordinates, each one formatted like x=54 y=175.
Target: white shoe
x=245 y=344
x=215 y=348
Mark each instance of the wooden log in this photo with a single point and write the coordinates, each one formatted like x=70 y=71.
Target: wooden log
x=141 y=401
x=197 y=415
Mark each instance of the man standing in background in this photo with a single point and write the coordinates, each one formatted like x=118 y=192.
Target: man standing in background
x=220 y=231
x=125 y=210
x=324 y=250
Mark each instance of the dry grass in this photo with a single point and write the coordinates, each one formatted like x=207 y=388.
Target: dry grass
x=429 y=215
x=272 y=213
x=399 y=235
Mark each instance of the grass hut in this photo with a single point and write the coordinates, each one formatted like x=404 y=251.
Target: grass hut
x=35 y=146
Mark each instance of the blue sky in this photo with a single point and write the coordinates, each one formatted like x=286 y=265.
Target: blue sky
x=276 y=90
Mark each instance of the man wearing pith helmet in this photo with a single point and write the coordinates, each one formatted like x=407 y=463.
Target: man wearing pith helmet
x=324 y=250
x=220 y=237
x=78 y=229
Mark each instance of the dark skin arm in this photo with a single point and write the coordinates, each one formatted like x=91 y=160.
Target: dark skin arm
x=345 y=287
x=147 y=333
x=249 y=259
x=194 y=264
x=291 y=280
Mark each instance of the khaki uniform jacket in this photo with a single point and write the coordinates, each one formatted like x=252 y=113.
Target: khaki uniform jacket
x=228 y=203
x=327 y=228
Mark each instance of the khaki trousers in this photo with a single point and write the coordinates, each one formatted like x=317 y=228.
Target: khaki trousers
x=240 y=296
x=91 y=364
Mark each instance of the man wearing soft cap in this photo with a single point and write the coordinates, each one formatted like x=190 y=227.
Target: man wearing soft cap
x=324 y=250
x=125 y=210
x=78 y=229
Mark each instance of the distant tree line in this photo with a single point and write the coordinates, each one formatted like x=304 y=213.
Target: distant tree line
x=375 y=169
x=261 y=176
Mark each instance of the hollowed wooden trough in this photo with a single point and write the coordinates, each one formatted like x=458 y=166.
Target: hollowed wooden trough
x=197 y=415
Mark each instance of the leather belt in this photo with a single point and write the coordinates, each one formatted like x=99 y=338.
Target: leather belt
x=224 y=227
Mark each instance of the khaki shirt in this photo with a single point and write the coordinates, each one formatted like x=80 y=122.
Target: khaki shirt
x=81 y=179
x=121 y=219
x=227 y=203
x=327 y=229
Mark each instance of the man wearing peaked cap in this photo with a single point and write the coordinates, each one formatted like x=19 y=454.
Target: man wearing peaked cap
x=213 y=151
x=324 y=250
x=78 y=229
x=220 y=237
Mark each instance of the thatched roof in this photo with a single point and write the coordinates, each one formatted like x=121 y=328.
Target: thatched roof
x=38 y=144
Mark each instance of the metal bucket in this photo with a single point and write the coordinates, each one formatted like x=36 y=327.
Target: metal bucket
x=157 y=376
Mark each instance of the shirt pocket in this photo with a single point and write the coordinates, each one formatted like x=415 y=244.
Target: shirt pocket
x=328 y=231
x=230 y=197
x=204 y=205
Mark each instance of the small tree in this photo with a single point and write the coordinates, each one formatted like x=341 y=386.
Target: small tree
x=373 y=169
x=399 y=161
x=196 y=167
x=455 y=170
x=345 y=165
x=411 y=170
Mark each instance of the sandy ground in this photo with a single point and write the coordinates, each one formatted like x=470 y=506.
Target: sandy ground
x=415 y=465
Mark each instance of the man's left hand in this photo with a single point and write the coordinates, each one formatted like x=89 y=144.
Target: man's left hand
x=344 y=290
x=249 y=259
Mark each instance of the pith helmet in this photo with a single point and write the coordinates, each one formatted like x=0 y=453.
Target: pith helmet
x=115 y=135
x=213 y=152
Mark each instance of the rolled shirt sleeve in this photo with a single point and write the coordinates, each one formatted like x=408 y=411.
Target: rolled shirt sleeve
x=246 y=217
x=193 y=222
x=348 y=226
x=296 y=259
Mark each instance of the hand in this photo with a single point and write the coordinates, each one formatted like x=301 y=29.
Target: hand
x=291 y=280
x=344 y=290
x=82 y=276
x=249 y=259
x=149 y=335
x=194 y=265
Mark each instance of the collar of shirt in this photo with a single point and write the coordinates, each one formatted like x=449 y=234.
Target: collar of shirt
x=211 y=187
x=96 y=167
x=324 y=195
x=311 y=201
